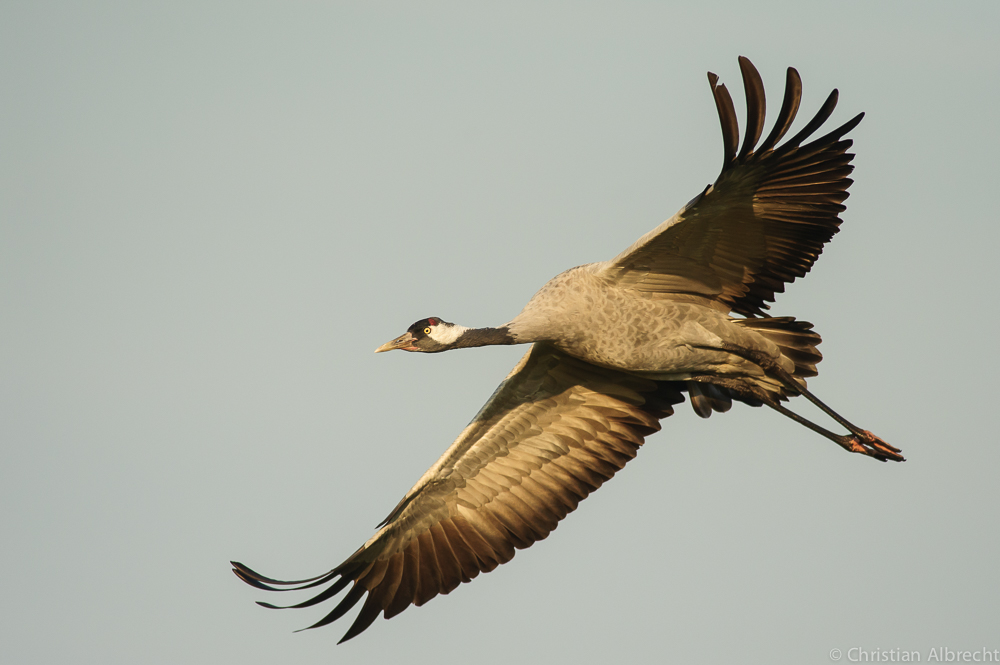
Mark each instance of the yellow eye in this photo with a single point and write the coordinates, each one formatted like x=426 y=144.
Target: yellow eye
x=427 y=331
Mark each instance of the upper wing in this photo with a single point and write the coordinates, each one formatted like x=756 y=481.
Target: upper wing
x=765 y=219
x=552 y=433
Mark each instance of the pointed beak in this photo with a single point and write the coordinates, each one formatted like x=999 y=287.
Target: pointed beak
x=402 y=342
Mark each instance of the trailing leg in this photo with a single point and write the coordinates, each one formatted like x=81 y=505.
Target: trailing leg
x=870 y=445
x=862 y=440
x=859 y=441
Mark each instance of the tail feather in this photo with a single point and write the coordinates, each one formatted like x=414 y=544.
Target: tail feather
x=796 y=339
x=797 y=342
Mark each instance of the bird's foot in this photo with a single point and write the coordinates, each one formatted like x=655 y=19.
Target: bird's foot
x=866 y=443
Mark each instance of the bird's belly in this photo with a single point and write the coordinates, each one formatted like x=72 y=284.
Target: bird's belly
x=667 y=341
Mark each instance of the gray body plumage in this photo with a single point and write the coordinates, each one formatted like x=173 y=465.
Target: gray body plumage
x=586 y=315
x=614 y=346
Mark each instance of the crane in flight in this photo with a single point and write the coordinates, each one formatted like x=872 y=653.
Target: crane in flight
x=614 y=346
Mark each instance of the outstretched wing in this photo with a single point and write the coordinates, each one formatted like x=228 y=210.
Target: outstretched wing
x=552 y=433
x=762 y=223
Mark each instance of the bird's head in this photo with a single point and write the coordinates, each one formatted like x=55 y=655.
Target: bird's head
x=429 y=335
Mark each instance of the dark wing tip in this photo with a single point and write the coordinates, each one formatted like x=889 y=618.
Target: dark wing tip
x=366 y=617
x=251 y=576
x=756 y=106
x=789 y=108
x=852 y=123
x=727 y=118
x=825 y=111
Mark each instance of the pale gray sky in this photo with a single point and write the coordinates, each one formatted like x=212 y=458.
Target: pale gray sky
x=211 y=214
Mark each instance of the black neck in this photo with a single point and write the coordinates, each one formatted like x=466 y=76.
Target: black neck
x=484 y=337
